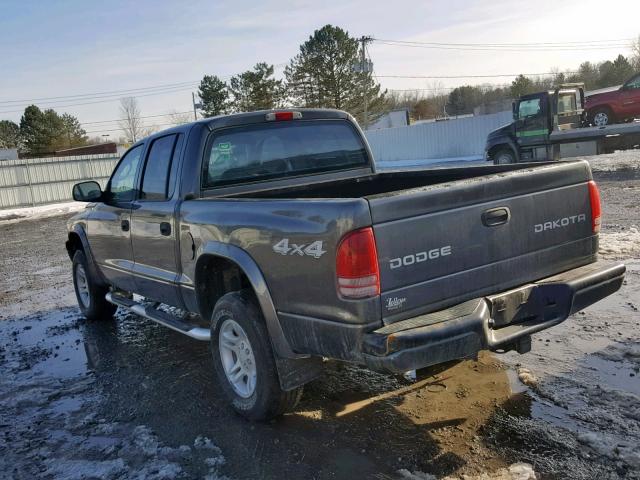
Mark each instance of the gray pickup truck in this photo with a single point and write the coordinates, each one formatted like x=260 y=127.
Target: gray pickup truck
x=272 y=236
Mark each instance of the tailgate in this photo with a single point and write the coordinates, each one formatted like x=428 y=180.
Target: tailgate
x=444 y=244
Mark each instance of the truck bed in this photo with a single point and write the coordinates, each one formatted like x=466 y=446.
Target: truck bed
x=594 y=132
x=435 y=246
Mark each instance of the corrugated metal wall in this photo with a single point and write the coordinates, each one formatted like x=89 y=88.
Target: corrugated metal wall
x=435 y=141
x=38 y=181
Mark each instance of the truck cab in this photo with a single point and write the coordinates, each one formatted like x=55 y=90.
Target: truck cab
x=535 y=117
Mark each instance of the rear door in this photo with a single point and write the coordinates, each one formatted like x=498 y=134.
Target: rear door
x=110 y=223
x=153 y=227
x=440 y=246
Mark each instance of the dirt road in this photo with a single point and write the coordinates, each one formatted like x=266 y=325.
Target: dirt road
x=129 y=399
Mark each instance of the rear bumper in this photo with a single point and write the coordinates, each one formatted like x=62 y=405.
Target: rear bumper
x=497 y=322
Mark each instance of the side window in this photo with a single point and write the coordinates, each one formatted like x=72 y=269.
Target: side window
x=155 y=181
x=529 y=108
x=633 y=84
x=123 y=179
x=567 y=103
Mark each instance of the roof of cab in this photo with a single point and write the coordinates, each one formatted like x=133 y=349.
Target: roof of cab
x=259 y=116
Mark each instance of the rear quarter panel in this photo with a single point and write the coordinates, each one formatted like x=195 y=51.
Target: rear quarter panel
x=299 y=283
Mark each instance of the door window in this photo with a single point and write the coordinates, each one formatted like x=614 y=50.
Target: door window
x=122 y=183
x=633 y=84
x=529 y=108
x=155 y=180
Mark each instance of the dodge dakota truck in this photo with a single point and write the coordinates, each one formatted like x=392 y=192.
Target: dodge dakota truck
x=272 y=236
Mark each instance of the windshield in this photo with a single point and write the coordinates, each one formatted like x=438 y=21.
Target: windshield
x=274 y=150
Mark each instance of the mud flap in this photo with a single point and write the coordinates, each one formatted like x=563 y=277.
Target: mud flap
x=296 y=372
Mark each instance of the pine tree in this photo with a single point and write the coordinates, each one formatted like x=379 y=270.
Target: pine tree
x=324 y=75
x=214 y=95
x=256 y=89
x=9 y=134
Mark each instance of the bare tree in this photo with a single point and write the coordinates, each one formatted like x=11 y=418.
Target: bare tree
x=130 y=120
x=177 y=118
x=635 y=56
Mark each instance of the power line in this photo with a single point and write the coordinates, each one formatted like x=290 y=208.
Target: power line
x=504 y=47
x=109 y=93
x=569 y=42
x=473 y=76
x=108 y=100
x=136 y=118
x=123 y=129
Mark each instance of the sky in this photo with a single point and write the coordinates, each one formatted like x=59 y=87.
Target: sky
x=65 y=48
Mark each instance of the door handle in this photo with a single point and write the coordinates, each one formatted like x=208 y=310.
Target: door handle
x=495 y=216
x=124 y=224
x=165 y=228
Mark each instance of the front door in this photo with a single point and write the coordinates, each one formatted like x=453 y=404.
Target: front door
x=630 y=98
x=153 y=226
x=110 y=223
x=532 y=125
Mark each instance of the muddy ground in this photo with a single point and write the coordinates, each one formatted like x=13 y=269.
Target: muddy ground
x=130 y=399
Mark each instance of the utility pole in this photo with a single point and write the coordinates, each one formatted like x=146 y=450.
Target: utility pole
x=365 y=68
x=193 y=100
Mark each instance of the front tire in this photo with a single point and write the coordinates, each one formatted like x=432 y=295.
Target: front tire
x=602 y=117
x=504 y=156
x=90 y=295
x=244 y=361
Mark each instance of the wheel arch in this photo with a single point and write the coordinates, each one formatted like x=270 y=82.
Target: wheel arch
x=77 y=240
x=221 y=266
x=505 y=145
x=602 y=107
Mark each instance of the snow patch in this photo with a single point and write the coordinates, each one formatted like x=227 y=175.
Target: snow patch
x=14 y=215
x=620 y=244
x=517 y=471
x=527 y=377
x=625 y=160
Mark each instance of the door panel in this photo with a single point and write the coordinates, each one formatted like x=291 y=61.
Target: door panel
x=153 y=228
x=110 y=223
x=154 y=246
x=532 y=125
x=630 y=98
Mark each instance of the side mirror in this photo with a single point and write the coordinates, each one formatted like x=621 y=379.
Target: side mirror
x=87 y=192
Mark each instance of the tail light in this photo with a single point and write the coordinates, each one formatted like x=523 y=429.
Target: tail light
x=357 y=265
x=596 y=209
x=280 y=116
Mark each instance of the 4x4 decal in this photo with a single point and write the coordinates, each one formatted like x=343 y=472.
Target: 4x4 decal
x=314 y=249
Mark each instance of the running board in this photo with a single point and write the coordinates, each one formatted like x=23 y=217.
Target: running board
x=163 y=318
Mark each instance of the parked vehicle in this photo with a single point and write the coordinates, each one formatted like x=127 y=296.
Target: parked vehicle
x=551 y=125
x=619 y=105
x=277 y=241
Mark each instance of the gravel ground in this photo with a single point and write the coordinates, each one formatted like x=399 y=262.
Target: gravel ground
x=129 y=399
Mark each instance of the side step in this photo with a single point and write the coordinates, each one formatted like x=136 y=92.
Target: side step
x=158 y=316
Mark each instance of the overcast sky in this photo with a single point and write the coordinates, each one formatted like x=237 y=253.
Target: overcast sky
x=63 y=48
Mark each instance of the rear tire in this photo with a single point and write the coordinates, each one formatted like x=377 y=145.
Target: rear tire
x=602 y=117
x=244 y=361
x=504 y=156
x=90 y=295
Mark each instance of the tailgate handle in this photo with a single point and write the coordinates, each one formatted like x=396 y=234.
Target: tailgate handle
x=496 y=216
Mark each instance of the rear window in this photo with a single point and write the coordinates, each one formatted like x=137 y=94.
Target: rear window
x=274 y=150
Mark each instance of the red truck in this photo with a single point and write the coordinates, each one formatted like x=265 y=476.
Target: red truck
x=615 y=106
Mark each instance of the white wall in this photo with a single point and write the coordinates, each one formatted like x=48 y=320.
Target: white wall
x=425 y=143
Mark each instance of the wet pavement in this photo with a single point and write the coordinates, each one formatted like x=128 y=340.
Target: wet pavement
x=130 y=399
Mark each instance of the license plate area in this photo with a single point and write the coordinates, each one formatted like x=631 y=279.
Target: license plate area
x=530 y=304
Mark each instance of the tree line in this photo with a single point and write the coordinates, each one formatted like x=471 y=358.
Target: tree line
x=465 y=99
x=42 y=131
x=324 y=74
